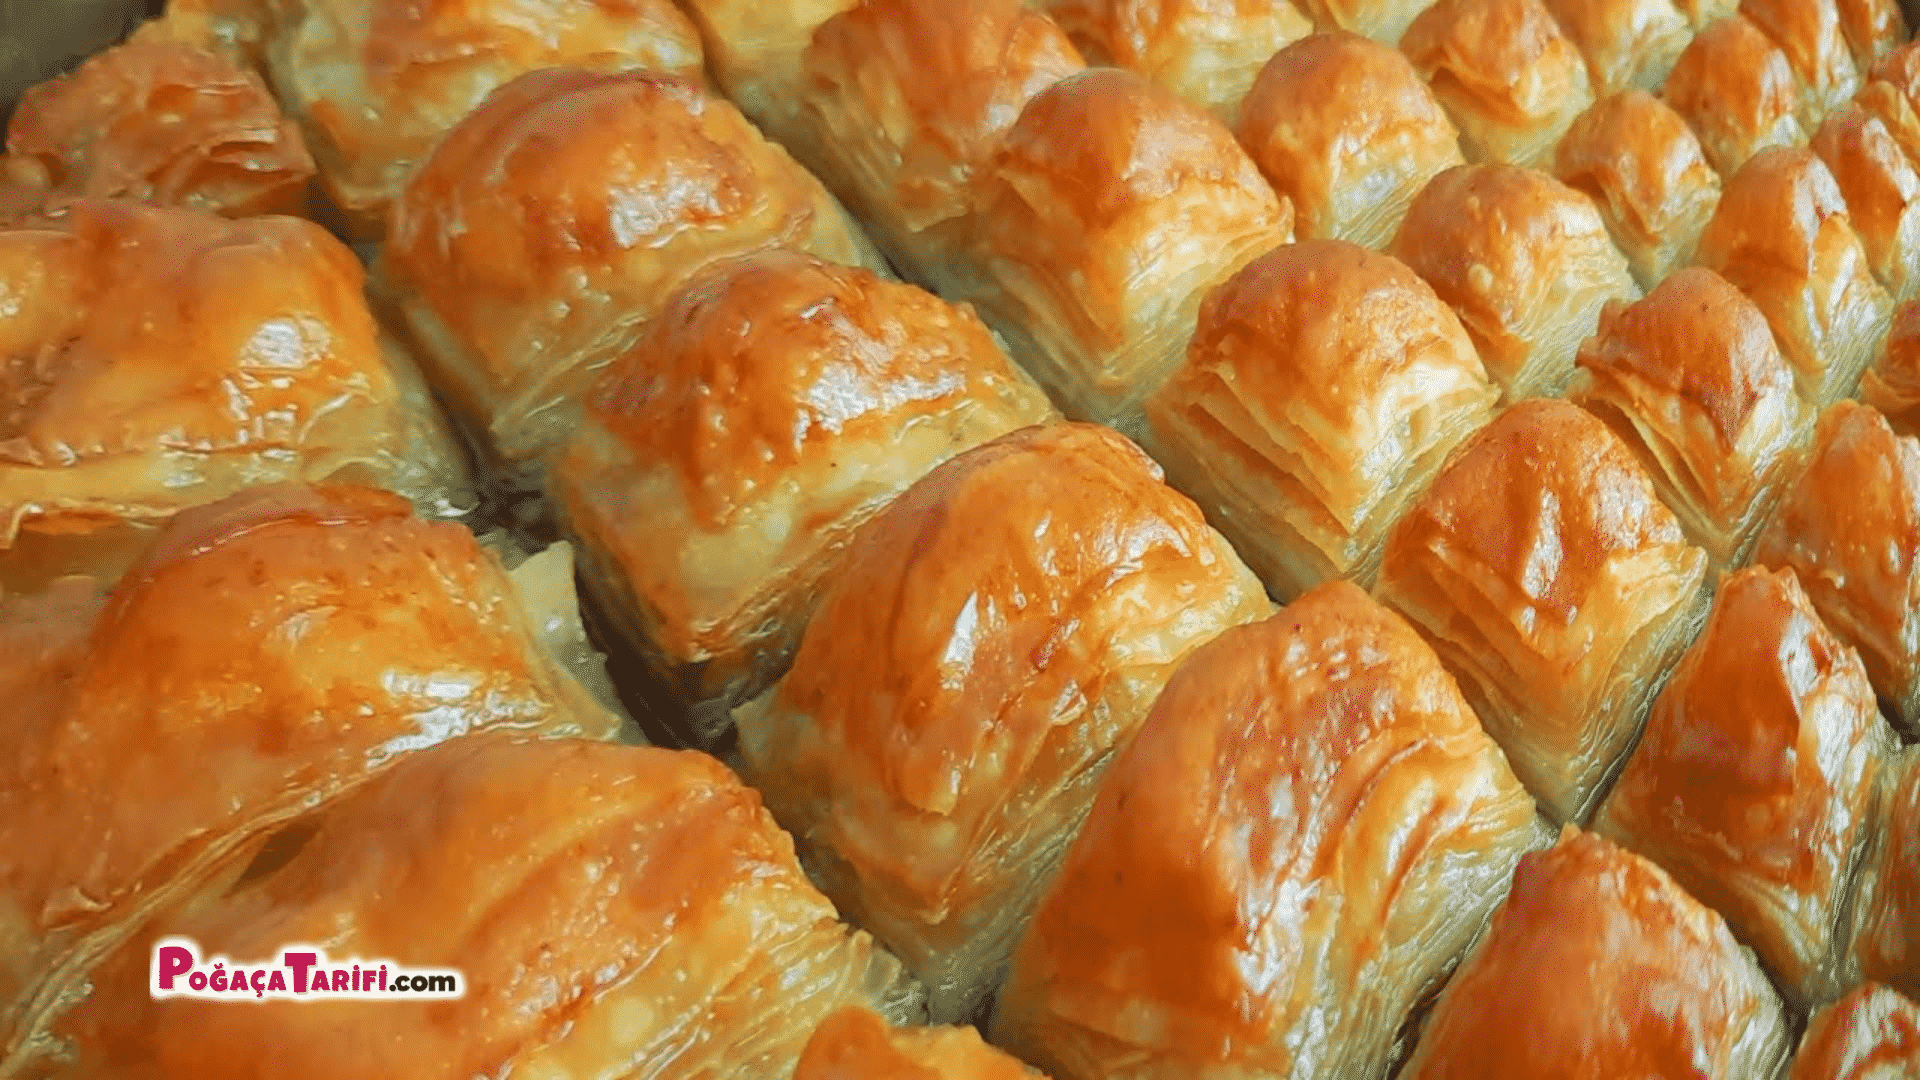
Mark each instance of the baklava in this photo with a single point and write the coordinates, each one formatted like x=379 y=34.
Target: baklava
x=161 y=358
x=1881 y=189
x=1324 y=388
x=1305 y=835
x=1892 y=384
x=1873 y=1033
x=1113 y=207
x=1526 y=263
x=1628 y=44
x=1692 y=382
x=1545 y=571
x=157 y=738
x=1809 y=33
x=1757 y=781
x=551 y=225
x=857 y=1043
x=1850 y=529
x=1737 y=90
x=1598 y=964
x=1781 y=236
x=1886 y=913
x=1505 y=72
x=1644 y=168
x=994 y=637
x=723 y=463
x=1346 y=131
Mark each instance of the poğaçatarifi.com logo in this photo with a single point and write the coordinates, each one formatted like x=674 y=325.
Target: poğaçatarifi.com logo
x=298 y=973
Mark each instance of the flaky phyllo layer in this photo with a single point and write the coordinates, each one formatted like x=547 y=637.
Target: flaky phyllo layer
x=995 y=637
x=164 y=738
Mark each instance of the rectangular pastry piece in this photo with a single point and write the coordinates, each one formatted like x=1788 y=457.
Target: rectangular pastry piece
x=1384 y=21
x=162 y=358
x=1874 y=29
x=1885 y=925
x=1892 y=93
x=513 y=305
x=1599 y=964
x=724 y=463
x=1207 y=51
x=1873 y=1033
x=1892 y=384
x=1324 y=388
x=858 y=1044
x=613 y=910
x=1781 y=236
x=1345 y=130
x=1113 y=207
x=1644 y=168
x=1506 y=73
x=1304 y=837
x=995 y=637
x=157 y=120
x=755 y=50
x=1850 y=528
x=1737 y=90
x=1628 y=44
x=1691 y=380
x=1809 y=33
x=376 y=84
x=904 y=104
x=1757 y=782
x=1524 y=261
x=1881 y=189
x=1544 y=570
x=165 y=736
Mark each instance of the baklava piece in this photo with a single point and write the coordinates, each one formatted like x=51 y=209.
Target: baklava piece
x=1207 y=51
x=1643 y=167
x=856 y=1043
x=1505 y=72
x=1736 y=89
x=1881 y=189
x=1628 y=44
x=1873 y=1033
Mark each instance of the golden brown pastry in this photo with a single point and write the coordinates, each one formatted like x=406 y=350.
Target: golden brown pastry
x=162 y=121
x=1381 y=20
x=1306 y=833
x=1873 y=1033
x=1114 y=206
x=1506 y=72
x=1628 y=44
x=1881 y=189
x=756 y=52
x=271 y=651
x=1643 y=167
x=997 y=633
x=1207 y=51
x=375 y=84
x=549 y=228
x=159 y=358
x=1700 y=13
x=1344 y=129
x=1810 y=34
x=1526 y=263
x=1892 y=384
x=614 y=910
x=1886 y=912
x=858 y=1044
x=1873 y=28
x=725 y=461
x=1781 y=235
x=1850 y=528
x=1692 y=382
x=1892 y=93
x=1324 y=388
x=905 y=104
x=1757 y=780
x=1599 y=965
x=1737 y=90
x=1557 y=588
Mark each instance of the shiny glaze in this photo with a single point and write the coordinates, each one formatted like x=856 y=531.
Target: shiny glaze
x=1523 y=259
x=1873 y=1033
x=1781 y=236
x=1380 y=20
x=1643 y=166
x=163 y=121
x=1892 y=92
x=346 y=634
x=1506 y=72
x=1881 y=189
x=1886 y=944
x=1628 y=44
x=1850 y=530
x=857 y=1044
x=1816 y=48
x=1737 y=90
x=1892 y=385
x=1598 y=965
x=1339 y=124
x=614 y=909
x=1758 y=771
x=1873 y=28
x=1207 y=51
x=1308 y=826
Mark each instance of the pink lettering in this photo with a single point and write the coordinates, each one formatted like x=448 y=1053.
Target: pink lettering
x=300 y=962
x=174 y=961
x=277 y=981
x=340 y=980
x=383 y=978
